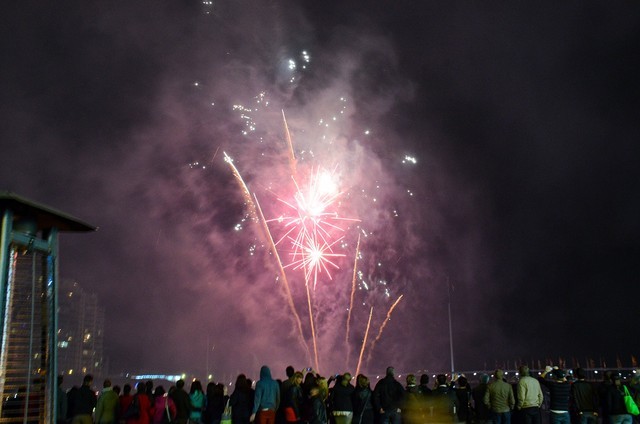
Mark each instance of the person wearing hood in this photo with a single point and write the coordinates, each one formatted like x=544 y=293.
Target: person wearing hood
x=107 y=406
x=267 y=398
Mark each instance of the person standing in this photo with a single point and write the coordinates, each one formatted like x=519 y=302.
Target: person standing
x=340 y=400
x=530 y=397
x=83 y=401
x=584 y=399
x=198 y=402
x=463 y=394
x=241 y=401
x=125 y=400
x=424 y=388
x=143 y=409
x=183 y=403
x=164 y=410
x=559 y=395
x=284 y=388
x=482 y=411
x=293 y=399
x=266 y=398
x=411 y=405
x=499 y=398
x=443 y=401
x=614 y=400
x=318 y=410
x=362 y=400
x=107 y=405
x=216 y=403
x=387 y=398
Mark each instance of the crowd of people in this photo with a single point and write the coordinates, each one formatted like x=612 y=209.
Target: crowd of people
x=551 y=396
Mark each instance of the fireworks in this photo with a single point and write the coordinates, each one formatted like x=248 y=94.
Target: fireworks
x=313 y=234
x=313 y=227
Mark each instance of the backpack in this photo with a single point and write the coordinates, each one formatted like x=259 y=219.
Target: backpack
x=133 y=411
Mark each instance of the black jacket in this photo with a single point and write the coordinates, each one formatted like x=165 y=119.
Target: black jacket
x=584 y=397
x=388 y=394
x=340 y=397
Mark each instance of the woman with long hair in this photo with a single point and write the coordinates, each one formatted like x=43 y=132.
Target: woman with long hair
x=216 y=402
x=164 y=408
x=293 y=399
x=362 y=401
x=198 y=402
x=241 y=401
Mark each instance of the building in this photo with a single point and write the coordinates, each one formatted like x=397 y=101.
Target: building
x=80 y=333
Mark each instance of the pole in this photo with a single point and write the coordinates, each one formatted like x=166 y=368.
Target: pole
x=450 y=326
x=208 y=345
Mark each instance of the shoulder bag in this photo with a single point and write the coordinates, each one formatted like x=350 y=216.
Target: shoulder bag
x=630 y=403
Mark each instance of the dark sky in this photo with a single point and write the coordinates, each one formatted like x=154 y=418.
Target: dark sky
x=523 y=120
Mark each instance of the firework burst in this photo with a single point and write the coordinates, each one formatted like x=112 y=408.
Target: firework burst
x=310 y=233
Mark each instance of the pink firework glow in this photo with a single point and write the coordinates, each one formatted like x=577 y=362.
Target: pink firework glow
x=313 y=226
x=309 y=231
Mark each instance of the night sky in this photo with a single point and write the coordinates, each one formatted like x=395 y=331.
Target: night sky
x=488 y=148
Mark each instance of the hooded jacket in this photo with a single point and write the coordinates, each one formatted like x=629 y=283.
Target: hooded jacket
x=267 y=394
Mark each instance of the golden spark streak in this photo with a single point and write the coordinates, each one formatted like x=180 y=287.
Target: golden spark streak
x=353 y=290
x=364 y=342
x=384 y=324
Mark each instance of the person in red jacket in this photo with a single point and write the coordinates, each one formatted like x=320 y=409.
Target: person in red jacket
x=141 y=409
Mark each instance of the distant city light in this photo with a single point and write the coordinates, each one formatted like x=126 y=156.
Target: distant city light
x=156 y=377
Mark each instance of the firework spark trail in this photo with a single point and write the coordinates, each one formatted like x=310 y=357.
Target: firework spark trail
x=243 y=186
x=311 y=321
x=353 y=291
x=292 y=156
x=364 y=342
x=384 y=324
x=284 y=279
x=215 y=154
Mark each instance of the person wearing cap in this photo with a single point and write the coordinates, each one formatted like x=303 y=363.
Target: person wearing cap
x=559 y=394
x=499 y=398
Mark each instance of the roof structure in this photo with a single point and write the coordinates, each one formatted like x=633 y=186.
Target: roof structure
x=44 y=216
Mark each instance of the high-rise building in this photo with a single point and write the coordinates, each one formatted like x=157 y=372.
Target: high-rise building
x=80 y=332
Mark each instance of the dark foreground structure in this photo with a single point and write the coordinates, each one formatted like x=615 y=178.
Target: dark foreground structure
x=28 y=307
